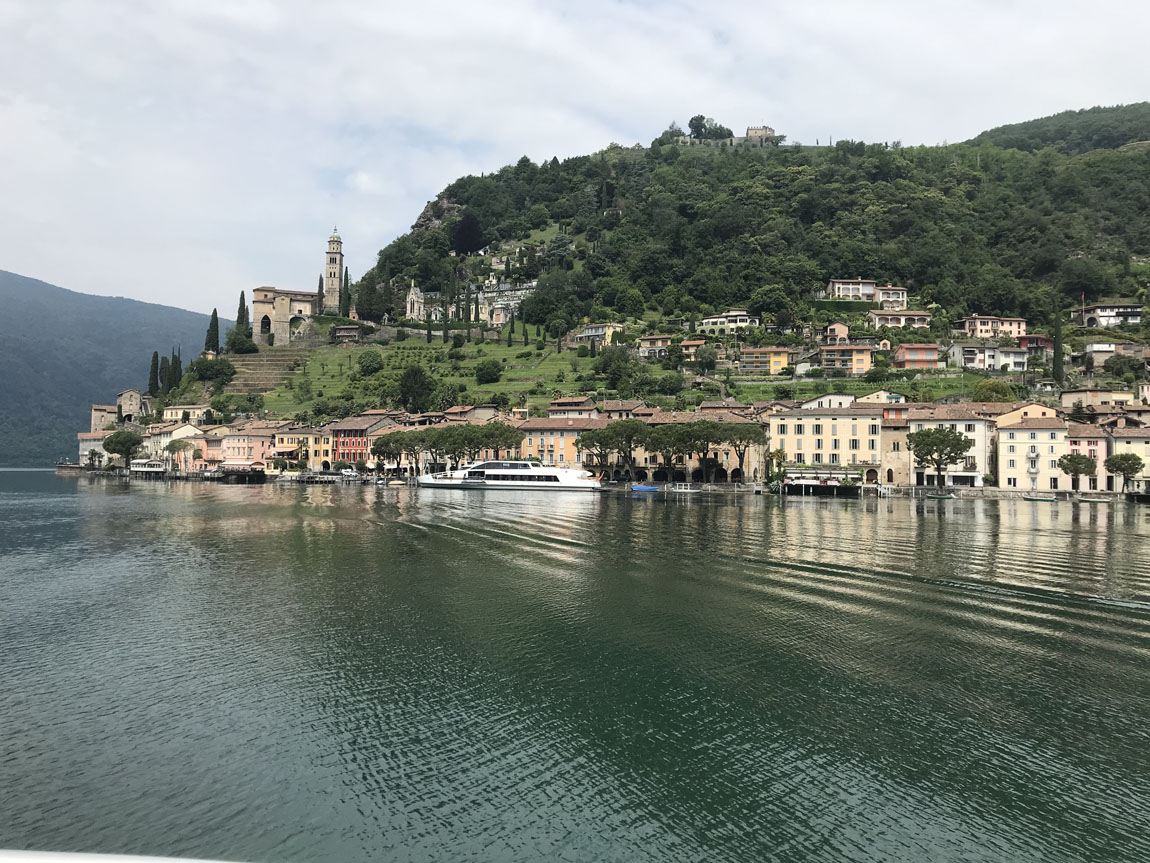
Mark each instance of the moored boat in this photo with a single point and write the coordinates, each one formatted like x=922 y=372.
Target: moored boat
x=1039 y=499
x=514 y=475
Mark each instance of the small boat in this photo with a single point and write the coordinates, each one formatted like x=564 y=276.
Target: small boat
x=682 y=488
x=1038 y=499
x=940 y=496
x=642 y=487
x=1093 y=499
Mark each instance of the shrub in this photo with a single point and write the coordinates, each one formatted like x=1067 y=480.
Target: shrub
x=582 y=351
x=369 y=362
x=488 y=371
x=401 y=335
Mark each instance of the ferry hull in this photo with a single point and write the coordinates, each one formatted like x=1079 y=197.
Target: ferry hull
x=496 y=485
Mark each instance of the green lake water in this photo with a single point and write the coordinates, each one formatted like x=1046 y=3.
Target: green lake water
x=353 y=674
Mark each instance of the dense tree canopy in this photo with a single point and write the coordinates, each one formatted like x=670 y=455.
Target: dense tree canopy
x=682 y=229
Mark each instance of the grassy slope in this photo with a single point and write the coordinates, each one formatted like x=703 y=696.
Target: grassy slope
x=329 y=368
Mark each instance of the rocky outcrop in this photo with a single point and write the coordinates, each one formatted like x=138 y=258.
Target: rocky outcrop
x=436 y=213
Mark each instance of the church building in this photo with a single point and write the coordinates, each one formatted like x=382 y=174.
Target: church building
x=278 y=315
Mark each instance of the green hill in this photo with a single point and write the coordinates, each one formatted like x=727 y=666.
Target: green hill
x=679 y=230
x=61 y=351
x=1075 y=131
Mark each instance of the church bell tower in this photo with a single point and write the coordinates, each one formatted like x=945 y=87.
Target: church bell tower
x=333 y=273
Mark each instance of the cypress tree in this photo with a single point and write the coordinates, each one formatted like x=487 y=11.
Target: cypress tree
x=525 y=333
x=445 y=322
x=319 y=296
x=165 y=376
x=242 y=316
x=1059 y=372
x=154 y=374
x=345 y=295
x=212 y=341
x=429 y=327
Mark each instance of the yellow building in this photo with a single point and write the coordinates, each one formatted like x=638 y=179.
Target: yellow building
x=769 y=360
x=1137 y=441
x=552 y=440
x=853 y=359
x=310 y=446
x=842 y=441
x=1028 y=453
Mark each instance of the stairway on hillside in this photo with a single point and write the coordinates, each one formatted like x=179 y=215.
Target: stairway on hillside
x=259 y=373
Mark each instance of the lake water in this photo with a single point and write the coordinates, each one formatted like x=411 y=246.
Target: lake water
x=270 y=673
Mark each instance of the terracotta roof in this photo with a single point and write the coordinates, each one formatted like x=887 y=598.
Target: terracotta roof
x=1037 y=423
x=561 y=424
x=945 y=412
x=623 y=405
x=1130 y=432
x=572 y=402
x=1077 y=430
x=355 y=423
x=864 y=409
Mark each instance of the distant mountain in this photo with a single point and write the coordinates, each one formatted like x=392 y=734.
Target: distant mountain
x=60 y=351
x=1074 y=132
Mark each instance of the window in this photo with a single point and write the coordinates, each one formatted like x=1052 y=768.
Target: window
x=834 y=443
x=874 y=430
x=918 y=426
x=800 y=458
x=1011 y=463
x=817 y=428
x=1010 y=448
x=970 y=427
x=1034 y=436
x=872 y=444
x=782 y=428
x=1054 y=435
x=798 y=428
x=834 y=458
x=818 y=443
x=818 y=458
x=1033 y=464
x=1012 y=482
x=895 y=446
x=1054 y=483
x=1054 y=464
x=855 y=443
x=1010 y=435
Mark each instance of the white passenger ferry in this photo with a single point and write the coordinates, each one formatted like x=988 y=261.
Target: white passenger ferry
x=518 y=475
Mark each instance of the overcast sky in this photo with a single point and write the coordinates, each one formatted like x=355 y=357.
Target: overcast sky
x=178 y=151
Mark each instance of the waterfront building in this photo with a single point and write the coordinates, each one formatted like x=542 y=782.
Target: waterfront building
x=553 y=439
x=979 y=429
x=1130 y=439
x=990 y=327
x=350 y=438
x=159 y=435
x=309 y=446
x=1089 y=440
x=1028 y=453
x=89 y=443
x=250 y=446
x=841 y=441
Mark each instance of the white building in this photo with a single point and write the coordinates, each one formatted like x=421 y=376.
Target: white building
x=1028 y=453
x=889 y=296
x=829 y=400
x=987 y=357
x=978 y=460
x=1110 y=314
x=909 y=319
x=990 y=327
x=732 y=319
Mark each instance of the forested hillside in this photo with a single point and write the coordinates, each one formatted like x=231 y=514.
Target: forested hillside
x=1075 y=131
x=686 y=229
x=61 y=351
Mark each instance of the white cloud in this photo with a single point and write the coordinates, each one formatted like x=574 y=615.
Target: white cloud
x=182 y=151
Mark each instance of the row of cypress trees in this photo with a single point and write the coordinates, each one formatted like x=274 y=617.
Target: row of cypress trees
x=165 y=373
